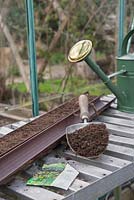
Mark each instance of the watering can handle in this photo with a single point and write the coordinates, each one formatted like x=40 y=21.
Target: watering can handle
x=125 y=42
x=83 y=104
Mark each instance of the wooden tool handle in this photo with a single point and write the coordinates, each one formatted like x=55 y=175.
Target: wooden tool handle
x=83 y=104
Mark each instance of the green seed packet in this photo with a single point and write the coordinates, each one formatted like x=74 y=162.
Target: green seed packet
x=48 y=174
x=57 y=167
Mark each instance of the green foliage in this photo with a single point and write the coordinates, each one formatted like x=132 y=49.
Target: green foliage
x=49 y=86
x=77 y=86
x=100 y=55
x=54 y=57
x=19 y=87
x=82 y=23
x=57 y=58
x=47 y=55
x=16 y=20
x=80 y=18
x=64 y=3
x=14 y=71
x=74 y=85
x=52 y=21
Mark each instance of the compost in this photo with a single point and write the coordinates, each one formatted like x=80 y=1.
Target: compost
x=43 y=122
x=89 y=141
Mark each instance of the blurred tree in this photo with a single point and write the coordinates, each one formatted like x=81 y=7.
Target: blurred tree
x=61 y=23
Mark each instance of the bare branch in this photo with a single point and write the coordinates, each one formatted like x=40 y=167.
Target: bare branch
x=57 y=35
x=15 y=52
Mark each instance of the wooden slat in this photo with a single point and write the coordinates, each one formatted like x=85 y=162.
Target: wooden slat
x=111 y=95
x=105 y=185
x=117 y=121
x=120 y=130
x=78 y=184
x=5 y=130
x=107 y=98
x=18 y=124
x=104 y=161
x=113 y=106
x=19 y=188
x=127 y=142
x=116 y=113
x=89 y=169
x=120 y=151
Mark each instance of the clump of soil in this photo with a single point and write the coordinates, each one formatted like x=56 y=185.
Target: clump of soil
x=89 y=141
x=21 y=134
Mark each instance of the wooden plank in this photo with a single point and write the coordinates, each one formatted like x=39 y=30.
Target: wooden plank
x=113 y=105
x=111 y=95
x=120 y=130
x=107 y=98
x=120 y=151
x=18 y=124
x=78 y=184
x=104 y=161
x=89 y=169
x=127 y=142
x=116 y=113
x=117 y=121
x=105 y=185
x=5 y=130
x=19 y=188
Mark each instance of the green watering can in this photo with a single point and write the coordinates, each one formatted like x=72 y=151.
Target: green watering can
x=124 y=88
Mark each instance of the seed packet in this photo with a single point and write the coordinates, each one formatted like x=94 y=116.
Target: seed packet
x=48 y=174
x=56 y=167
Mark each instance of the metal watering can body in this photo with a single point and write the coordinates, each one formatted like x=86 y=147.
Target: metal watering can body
x=125 y=81
x=124 y=88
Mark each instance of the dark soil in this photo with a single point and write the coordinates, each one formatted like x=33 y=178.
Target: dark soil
x=89 y=141
x=5 y=120
x=40 y=124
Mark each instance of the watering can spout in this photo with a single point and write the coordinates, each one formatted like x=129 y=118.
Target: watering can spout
x=81 y=51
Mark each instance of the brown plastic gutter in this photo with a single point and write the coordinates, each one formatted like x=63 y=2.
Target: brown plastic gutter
x=40 y=143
